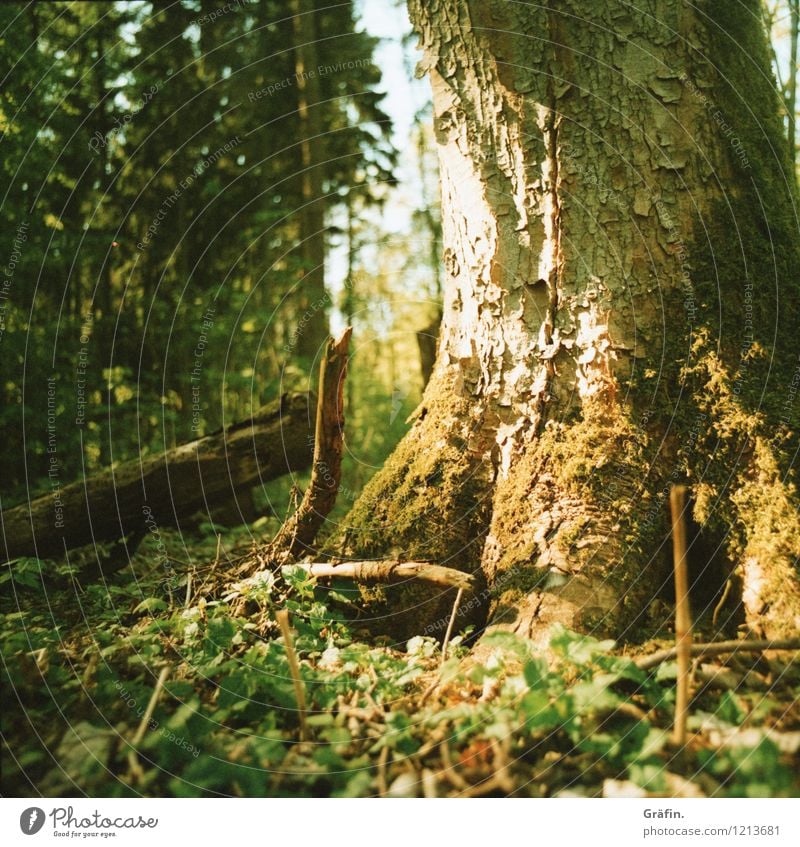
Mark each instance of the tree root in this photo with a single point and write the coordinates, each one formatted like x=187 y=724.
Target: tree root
x=391 y=571
x=717 y=649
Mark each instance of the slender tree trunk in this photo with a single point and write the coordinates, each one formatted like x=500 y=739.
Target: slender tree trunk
x=103 y=285
x=350 y=294
x=426 y=341
x=427 y=337
x=619 y=237
x=312 y=329
x=794 y=33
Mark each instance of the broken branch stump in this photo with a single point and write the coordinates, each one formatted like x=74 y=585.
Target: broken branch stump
x=297 y=534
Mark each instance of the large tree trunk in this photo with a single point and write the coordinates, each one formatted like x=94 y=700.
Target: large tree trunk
x=619 y=239
x=168 y=488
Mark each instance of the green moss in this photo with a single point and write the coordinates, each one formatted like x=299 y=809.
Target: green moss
x=430 y=502
x=426 y=502
x=744 y=492
x=567 y=509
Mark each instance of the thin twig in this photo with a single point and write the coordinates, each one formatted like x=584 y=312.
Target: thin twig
x=188 y=588
x=502 y=765
x=382 y=760
x=428 y=691
x=294 y=667
x=428 y=778
x=212 y=567
x=452 y=621
x=718 y=607
x=492 y=783
x=683 y=617
x=717 y=649
x=449 y=772
x=133 y=759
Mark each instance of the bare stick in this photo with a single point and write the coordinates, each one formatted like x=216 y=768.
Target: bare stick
x=449 y=771
x=133 y=760
x=188 y=589
x=718 y=607
x=298 y=533
x=294 y=667
x=683 y=616
x=219 y=550
x=382 y=760
x=391 y=571
x=449 y=632
x=491 y=783
x=148 y=712
x=718 y=648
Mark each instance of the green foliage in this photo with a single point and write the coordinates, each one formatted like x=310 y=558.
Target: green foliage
x=25 y=573
x=226 y=721
x=149 y=212
x=758 y=771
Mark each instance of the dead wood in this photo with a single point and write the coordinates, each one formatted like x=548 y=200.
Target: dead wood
x=718 y=649
x=297 y=534
x=165 y=489
x=392 y=571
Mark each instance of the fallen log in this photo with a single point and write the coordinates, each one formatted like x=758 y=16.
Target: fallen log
x=165 y=489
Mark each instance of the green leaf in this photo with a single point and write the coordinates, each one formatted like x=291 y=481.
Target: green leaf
x=730 y=709
x=234 y=689
x=179 y=689
x=594 y=695
x=322 y=719
x=575 y=647
x=539 y=712
x=509 y=642
x=356 y=786
x=150 y=604
x=648 y=775
x=299 y=579
x=667 y=671
x=535 y=673
x=219 y=634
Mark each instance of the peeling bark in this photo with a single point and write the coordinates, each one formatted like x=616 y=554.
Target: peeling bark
x=619 y=233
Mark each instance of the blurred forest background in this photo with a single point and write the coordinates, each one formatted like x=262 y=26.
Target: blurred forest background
x=194 y=194
x=187 y=210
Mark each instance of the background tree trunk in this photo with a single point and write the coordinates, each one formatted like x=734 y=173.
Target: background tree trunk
x=619 y=236
x=312 y=330
x=426 y=341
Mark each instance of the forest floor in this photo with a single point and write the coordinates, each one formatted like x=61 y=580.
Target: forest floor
x=183 y=687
